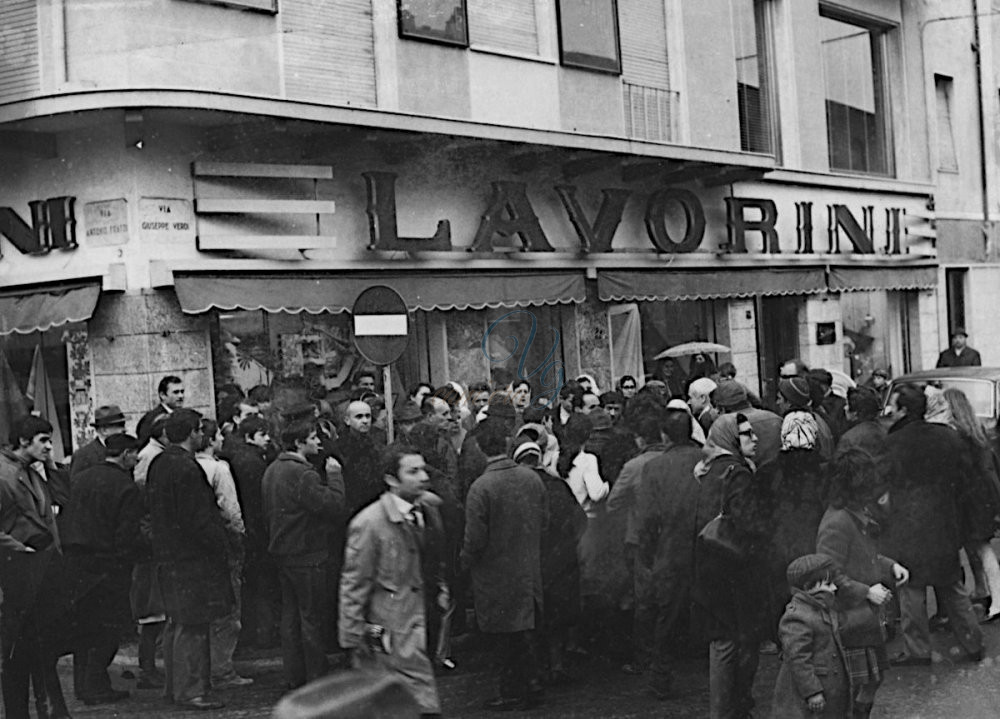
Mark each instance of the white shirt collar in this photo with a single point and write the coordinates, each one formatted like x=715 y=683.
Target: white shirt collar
x=402 y=505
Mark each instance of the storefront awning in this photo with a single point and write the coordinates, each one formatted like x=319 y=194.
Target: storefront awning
x=336 y=293
x=41 y=308
x=624 y=285
x=862 y=279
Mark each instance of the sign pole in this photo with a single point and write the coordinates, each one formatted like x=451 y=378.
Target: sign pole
x=387 y=394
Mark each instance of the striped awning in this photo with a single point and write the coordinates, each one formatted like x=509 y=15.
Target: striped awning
x=624 y=285
x=41 y=308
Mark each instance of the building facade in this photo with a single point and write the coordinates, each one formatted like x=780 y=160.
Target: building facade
x=554 y=188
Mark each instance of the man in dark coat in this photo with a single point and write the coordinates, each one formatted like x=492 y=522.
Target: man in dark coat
x=171 y=394
x=246 y=454
x=102 y=537
x=189 y=543
x=108 y=421
x=959 y=354
x=928 y=475
x=359 y=456
x=505 y=514
x=299 y=508
x=28 y=544
x=666 y=505
x=731 y=397
x=864 y=431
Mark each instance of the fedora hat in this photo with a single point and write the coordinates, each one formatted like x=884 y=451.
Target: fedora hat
x=108 y=415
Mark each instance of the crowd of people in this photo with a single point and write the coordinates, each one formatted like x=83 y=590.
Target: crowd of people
x=685 y=514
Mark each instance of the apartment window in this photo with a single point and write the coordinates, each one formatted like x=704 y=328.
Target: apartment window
x=854 y=73
x=754 y=92
x=588 y=35
x=947 y=159
x=955 y=282
x=507 y=26
x=442 y=21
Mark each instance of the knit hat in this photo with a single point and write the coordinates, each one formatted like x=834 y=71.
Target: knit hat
x=525 y=448
x=807 y=570
x=730 y=394
x=798 y=431
x=795 y=390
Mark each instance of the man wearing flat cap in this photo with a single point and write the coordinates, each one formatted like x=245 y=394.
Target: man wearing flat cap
x=103 y=538
x=959 y=354
x=108 y=421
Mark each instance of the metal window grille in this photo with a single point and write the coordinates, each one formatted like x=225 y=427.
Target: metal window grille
x=650 y=112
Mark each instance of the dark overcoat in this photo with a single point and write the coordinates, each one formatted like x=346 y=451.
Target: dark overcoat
x=359 y=456
x=505 y=514
x=731 y=596
x=812 y=662
x=928 y=468
x=560 y=563
x=667 y=522
x=89 y=455
x=189 y=539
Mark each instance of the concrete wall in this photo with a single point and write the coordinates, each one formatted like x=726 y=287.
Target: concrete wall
x=742 y=326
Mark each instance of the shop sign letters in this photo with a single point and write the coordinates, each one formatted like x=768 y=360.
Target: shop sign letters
x=52 y=226
x=510 y=215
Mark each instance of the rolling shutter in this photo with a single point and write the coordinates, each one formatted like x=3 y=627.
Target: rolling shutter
x=508 y=25
x=19 y=65
x=329 y=52
x=644 y=43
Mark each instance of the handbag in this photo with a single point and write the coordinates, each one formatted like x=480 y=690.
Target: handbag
x=863 y=625
x=719 y=535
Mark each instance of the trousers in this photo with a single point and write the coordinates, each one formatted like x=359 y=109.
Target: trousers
x=225 y=631
x=304 y=614
x=732 y=666
x=187 y=660
x=954 y=598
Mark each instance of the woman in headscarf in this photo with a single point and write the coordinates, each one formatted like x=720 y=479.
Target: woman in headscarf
x=981 y=503
x=730 y=590
x=847 y=534
x=797 y=488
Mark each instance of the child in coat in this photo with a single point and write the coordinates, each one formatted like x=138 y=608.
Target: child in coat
x=813 y=680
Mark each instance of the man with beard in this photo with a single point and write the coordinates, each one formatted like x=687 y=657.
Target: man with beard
x=929 y=469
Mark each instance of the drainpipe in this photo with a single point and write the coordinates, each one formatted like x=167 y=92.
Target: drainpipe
x=983 y=170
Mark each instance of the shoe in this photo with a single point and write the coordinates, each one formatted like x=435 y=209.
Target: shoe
x=938 y=623
x=990 y=617
x=232 y=682
x=147 y=681
x=905 y=660
x=201 y=703
x=505 y=704
x=975 y=657
x=111 y=695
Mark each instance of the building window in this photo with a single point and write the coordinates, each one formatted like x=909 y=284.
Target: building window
x=441 y=21
x=754 y=92
x=507 y=26
x=588 y=35
x=954 y=282
x=947 y=159
x=856 y=107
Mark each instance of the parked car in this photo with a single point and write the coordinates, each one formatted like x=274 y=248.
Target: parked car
x=980 y=384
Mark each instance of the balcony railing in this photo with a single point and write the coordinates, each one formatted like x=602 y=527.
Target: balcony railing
x=651 y=113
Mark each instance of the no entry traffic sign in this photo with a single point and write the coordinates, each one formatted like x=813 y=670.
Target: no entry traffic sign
x=381 y=325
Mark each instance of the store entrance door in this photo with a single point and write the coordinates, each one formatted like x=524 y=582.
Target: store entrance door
x=777 y=339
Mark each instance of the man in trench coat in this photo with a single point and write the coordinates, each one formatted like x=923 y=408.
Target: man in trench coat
x=189 y=545
x=393 y=563
x=505 y=514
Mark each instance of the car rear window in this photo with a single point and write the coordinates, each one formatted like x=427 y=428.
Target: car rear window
x=979 y=392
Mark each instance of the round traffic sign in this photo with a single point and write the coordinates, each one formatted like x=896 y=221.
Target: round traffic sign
x=381 y=325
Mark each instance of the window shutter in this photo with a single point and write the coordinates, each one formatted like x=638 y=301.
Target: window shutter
x=644 y=43
x=507 y=25
x=329 y=51
x=19 y=66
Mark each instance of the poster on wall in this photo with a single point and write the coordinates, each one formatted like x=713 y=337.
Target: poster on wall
x=105 y=223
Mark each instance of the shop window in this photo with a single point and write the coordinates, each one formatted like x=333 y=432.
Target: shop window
x=35 y=377
x=854 y=68
x=588 y=35
x=670 y=323
x=751 y=23
x=305 y=355
x=442 y=21
x=947 y=158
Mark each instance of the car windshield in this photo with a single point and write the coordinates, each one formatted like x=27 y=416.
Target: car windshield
x=979 y=392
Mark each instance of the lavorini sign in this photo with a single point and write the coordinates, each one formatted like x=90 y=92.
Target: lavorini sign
x=510 y=214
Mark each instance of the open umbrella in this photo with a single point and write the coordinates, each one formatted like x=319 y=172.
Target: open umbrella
x=692 y=348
